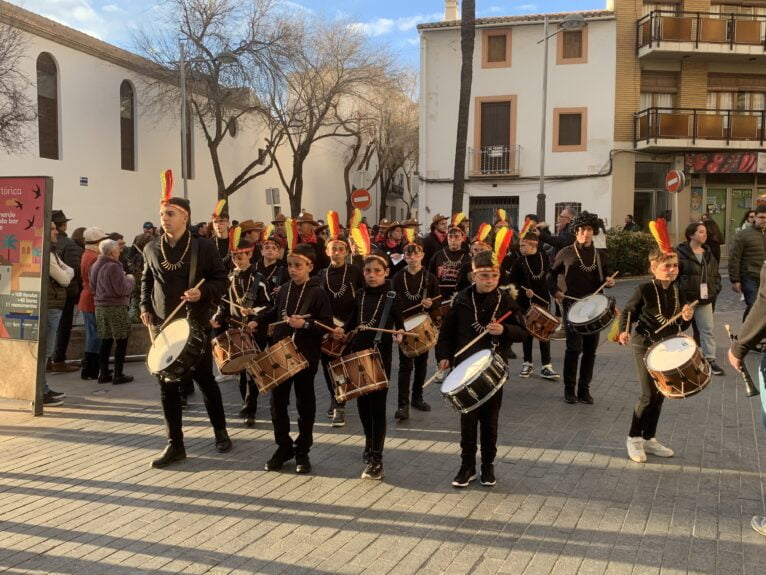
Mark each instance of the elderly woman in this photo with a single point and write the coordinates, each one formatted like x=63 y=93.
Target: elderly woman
x=92 y=237
x=111 y=287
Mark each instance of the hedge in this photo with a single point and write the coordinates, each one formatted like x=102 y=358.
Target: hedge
x=629 y=251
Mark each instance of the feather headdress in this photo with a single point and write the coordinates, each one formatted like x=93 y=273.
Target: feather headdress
x=355 y=219
x=291 y=232
x=268 y=232
x=361 y=238
x=219 y=209
x=659 y=229
x=456 y=219
x=503 y=239
x=409 y=233
x=500 y=215
x=166 y=178
x=333 y=225
x=234 y=236
x=482 y=233
x=528 y=225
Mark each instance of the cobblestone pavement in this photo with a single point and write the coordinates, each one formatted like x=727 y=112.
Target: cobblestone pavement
x=77 y=495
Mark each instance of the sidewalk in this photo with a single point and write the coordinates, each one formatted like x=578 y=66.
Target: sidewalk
x=77 y=495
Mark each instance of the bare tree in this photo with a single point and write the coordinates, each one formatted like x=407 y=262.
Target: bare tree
x=223 y=96
x=17 y=110
x=467 y=36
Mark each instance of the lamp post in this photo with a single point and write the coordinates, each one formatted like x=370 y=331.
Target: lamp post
x=570 y=22
x=222 y=58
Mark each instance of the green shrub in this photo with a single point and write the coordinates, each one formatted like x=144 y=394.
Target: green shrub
x=629 y=251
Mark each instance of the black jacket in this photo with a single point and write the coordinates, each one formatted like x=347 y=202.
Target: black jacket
x=431 y=245
x=247 y=289
x=531 y=272
x=341 y=284
x=368 y=308
x=754 y=329
x=412 y=289
x=692 y=273
x=643 y=310
x=579 y=283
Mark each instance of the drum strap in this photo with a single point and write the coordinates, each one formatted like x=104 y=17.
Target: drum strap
x=193 y=263
x=384 y=316
x=598 y=265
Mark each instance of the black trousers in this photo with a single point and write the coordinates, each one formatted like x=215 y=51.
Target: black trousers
x=64 y=330
x=249 y=392
x=545 y=349
x=170 y=396
x=480 y=424
x=406 y=364
x=326 y=360
x=305 y=402
x=577 y=345
x=646 y=414
x=372 y=410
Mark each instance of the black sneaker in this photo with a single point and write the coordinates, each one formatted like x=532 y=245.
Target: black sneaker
x=585 y=397
x=302 y=464
x=339 y=417
x=402 y=413
x=278 y=459
x=51 y=401
x=715 y=368
x=569 y=395
x=330 y=412
x=420 y=404
x=488 y=475
x=465 y=475
x=366 y=455
x=57 y=394
x=374 y=470
x=249 y=421
x=171 y=454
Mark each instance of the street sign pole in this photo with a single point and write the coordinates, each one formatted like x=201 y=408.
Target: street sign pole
x=674 y=184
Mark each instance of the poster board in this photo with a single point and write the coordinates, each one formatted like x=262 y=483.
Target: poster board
x=25 y=216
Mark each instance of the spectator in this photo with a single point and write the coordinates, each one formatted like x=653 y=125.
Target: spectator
x=748 y=253
x=78 y=237
x=563 y=237
x=92 y=237
x=630 y=224
x=149 y=233
x=714 y=236
x=111 y=287
x=699 y=279
x=437 y=239
x=747 y=220
x=70 y=253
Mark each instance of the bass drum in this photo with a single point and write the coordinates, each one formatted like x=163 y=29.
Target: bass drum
x=176 y=350
x=475 y=380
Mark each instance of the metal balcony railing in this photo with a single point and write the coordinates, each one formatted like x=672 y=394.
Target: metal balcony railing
x=696 y=124
x=493 y=161
x=700 y=28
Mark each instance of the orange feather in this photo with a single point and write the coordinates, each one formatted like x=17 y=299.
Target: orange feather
x=333 y=224
x=291 y=230
x=166 y=178
x=502 y=243
x=659 y=229
x=356 y=218
x=526 y=227
x=483 y=231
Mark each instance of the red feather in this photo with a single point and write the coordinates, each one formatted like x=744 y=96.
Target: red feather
x=527 y=226
x=291 y=231
x=502 y=243
x=333 y=224
x=366 y=236
x=167 y=185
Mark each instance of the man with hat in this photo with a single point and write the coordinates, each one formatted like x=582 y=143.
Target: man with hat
x=70 y=253
x=252 y=231
x=279 y=225
x=174 y=264
x=148 y=234
x=380 y=232
x=435 y=240
x=306 y=226
x=87 y=304
x=393 y=245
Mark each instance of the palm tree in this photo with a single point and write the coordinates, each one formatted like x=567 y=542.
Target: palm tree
x=467 y=36
x=9 y=242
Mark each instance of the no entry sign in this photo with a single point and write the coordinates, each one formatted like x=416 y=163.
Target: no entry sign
x=361 y=199
x=675 y=181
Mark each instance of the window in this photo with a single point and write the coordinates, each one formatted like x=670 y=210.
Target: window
x=189 y=144
x=658 y=89
x=496 y=49
x=47 y=106
x=570 y=132
x=495 y=135
x=127 y=127
x=572 y=47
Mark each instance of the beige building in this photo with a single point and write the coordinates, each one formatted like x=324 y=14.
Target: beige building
x=691 y=95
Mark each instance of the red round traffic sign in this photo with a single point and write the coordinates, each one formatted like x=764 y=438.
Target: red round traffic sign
x=675 y=181
x=360 y=198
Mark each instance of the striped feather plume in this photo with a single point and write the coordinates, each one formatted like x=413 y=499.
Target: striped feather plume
x=502 y=243
x=361 y=238
x=219 y=208
x=659 y=229
x=456 y=219
x=500 y=215
x=614 y=331
x=291 y=231
x=267 y=233
x=234 y=235
x=528 y=224
x=409 y=233
x=355 y=219
x=483 y=232
x=333 y=224
x=166 y=178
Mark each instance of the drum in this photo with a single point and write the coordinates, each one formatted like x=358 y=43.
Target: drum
x=233 y=350
x=541 y=323
x=334 y=347
x=475 y=380
x=176 y=350
x=425 y=338
x=677 y=367
x=277 y=364
x=592 y=314
x=358 y=374
x=441 y=311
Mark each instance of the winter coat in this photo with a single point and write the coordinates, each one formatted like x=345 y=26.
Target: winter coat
x=692 y=273
x=109 y=283
x=747 y=254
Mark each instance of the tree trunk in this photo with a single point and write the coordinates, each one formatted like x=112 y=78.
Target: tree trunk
x=467 y=35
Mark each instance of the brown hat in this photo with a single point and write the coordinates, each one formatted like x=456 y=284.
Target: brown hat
x=251 y=226
x=58 y=217
x=279 y=219
x=305 y=218
x=384 y=224
x=411 y=223
x=438 y=217
x=392 y=226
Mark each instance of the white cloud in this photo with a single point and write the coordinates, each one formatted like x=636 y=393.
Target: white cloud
x=78 y=14
x=383 y=26
x=112 y=9
x=527 y=7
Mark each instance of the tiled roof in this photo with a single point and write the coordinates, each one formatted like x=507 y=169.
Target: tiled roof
x=525 y=19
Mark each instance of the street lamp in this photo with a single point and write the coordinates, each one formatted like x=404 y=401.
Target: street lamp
x=570 y=22
x=223 y=58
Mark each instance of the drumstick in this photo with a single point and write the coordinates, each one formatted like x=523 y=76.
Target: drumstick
x=537 y=296
x=417 y=305
x=179 y=306
x=308 y=315
x=151 y=333
x=603 y=285
x=324 y=325
x=572 y=297
x=627 y=324
x=231 y=303
x=393 y=331
x=675 y=317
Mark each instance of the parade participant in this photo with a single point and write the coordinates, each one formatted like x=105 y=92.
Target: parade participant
x=247 y=292
x=651 y=308
x=379 y=234
x=475 y=309
x=436 y=239
x=219 y=225
x=279 y=226
x=253 y=231
x=340 y=280
x=270 y=264
x=528 y=274
x=306 y=231
x=167 y=280
x=300 y=296
x=392 y=246
x=375 y=309
x=446 y=263
x=416 y=288
x=584 y=269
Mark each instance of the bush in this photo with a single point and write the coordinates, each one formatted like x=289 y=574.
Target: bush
x=629 y=251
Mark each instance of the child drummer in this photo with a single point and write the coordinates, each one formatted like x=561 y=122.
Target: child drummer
x=528 y=273
x=270 y=263
x=474 y=310
x=301 y=304
x=247 y=292
x=417 y=288
x=375 y=306
x=653 y=306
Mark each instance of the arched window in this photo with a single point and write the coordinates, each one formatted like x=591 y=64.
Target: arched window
x=48 y=106
x=127 y=126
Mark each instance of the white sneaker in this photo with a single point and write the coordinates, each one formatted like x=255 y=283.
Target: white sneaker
x=548 y=372
x=636 y=449
x=654 y=447
x=759 y=524
x=526 y=370
x=440 y=375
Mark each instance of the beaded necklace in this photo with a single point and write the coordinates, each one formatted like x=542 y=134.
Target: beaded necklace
x=342 y=290
x=449 y=259
x=477 y=326
x=413 y=296
x=241 y=298
x=542 y=267
x=583 y=267
x=287 y=299
x=370 y=322
x=165 y=263
x=660 y=316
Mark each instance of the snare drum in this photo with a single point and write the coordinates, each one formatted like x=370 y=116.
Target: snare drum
x=358 y=374
x=540 y=323
x=176 y=350
x=592 y=314
x=277 y=364
x=334 y=347
x=233 y=350
x=677 y=367
x=425 y=336
x=475 y=380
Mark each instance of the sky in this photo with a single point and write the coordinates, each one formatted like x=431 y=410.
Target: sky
x=392 y=22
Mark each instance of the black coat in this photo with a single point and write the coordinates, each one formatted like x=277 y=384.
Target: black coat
x=692 y=273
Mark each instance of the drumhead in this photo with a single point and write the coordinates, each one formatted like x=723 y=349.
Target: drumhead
x=670 y=353
x=414 y=321
x=168 y=345
x=588 y=309
x=545 y=312
x=467 y=370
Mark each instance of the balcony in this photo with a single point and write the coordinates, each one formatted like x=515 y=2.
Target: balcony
x=698 y=128
x=493 y=162
x=667 y=33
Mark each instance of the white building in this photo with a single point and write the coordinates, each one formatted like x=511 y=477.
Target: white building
x=105 y=148
x=504 y=130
